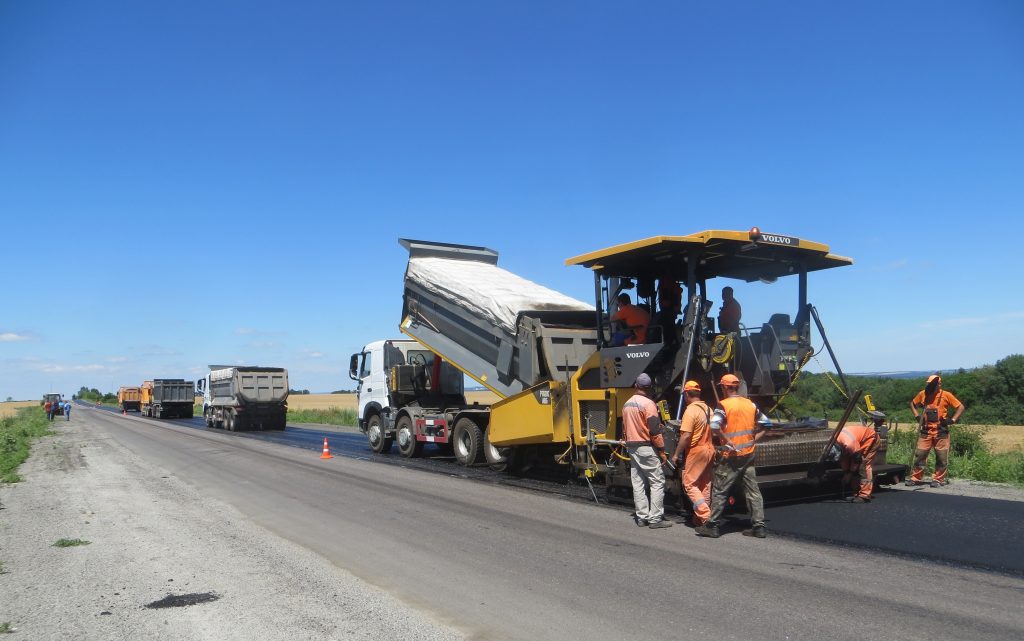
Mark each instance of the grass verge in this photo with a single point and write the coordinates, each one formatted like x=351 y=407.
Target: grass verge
x=970 y=457
x=16 y=435
x=330 y=416
x=5 y=627
x=70 y=543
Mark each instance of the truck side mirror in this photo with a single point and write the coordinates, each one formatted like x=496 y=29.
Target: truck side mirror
x=200 y=385
x=353 y=367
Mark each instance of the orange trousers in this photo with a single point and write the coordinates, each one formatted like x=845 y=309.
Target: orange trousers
x=858 y=474
x=925 y=444
x=697 y=474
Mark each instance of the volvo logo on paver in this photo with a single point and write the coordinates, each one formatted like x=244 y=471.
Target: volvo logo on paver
x=780 y=240
x=638 y=354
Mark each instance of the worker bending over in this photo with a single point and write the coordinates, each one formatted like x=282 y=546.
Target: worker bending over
x=641 y=424
x=736 y=427
x=931 y=408
x=858 y=445
x=695 y=453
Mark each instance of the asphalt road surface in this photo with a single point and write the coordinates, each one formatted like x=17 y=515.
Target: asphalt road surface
x=937 y=526
x=502 y=563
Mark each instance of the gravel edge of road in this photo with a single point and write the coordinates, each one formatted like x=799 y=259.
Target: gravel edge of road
x=153 y=536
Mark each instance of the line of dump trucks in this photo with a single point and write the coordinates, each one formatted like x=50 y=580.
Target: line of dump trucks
x=561 y=379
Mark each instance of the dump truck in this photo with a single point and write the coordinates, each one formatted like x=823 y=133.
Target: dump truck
x=561 y=377
x=167 y=398
x=54 y=398
x=245 y=397
x=129 y=399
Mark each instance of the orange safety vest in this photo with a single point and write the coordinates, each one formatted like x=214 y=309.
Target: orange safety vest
x=935 y=409
x=855 y=437
x=740 y=416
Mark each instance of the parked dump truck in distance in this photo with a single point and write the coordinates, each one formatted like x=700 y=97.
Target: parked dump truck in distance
x=129 y=399
x=54 y=398
x=168 y=398
x=410 y=396
x=245 y=398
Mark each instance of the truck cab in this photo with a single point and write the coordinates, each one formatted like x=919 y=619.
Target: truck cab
x=404 y=390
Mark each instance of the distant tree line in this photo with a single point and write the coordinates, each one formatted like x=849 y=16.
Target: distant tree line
x=993 y=394
x=93 y=395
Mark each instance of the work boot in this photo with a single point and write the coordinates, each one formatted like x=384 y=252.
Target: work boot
x=710 y=531
x=657 y=525
x=935 y=484
x=640 y=522
x=758 y=532
x=910 y=482
x=857 y=499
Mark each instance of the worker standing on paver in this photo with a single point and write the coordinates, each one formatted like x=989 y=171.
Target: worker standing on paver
x=643 y=439
x=729 y=313
x=931 y=408
x=858 y=445
x=695 y=453
x=734 y=428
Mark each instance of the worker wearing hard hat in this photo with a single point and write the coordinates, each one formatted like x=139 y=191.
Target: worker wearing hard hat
x=644 y=440
x=735 y=427
x=931 y=408
x=695 y=453
x=858 y=445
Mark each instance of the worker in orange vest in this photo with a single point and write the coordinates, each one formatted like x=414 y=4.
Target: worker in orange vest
x=858 y=445
x=931 y=408
x=736 y=427
x=643 y=437
x=635 y=320
x=695 y=454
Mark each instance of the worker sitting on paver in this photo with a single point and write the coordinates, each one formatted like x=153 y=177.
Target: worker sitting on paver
x=634 y=320
x=730 y=313
x=858 y=445
x=931 y=408
x=695 y=453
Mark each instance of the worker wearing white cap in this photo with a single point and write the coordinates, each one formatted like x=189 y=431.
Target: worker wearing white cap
x=643 y=439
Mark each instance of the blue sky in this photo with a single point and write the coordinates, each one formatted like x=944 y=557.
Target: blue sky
x=206 y=182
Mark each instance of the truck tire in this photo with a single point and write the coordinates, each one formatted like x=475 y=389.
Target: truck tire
x=375 y=435
x=405 y=435
x=240 y=422
x=496 y=457
x=229 y=422
x=467 y=441
x=208 y=417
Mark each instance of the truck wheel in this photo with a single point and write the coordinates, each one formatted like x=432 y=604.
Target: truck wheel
x=229 y=422
x=208 y=415
x=405 y=434
x=375 y=434
x=496 y=457
x=467 y=441
x=240 y=423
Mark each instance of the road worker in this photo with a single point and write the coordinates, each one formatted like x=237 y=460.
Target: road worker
x=695 y=454
x=634 y=319
x=644 y=440
x=67 y=411
x=729 y=313
x=858 y=445
x=735 y=427
x=931 y=408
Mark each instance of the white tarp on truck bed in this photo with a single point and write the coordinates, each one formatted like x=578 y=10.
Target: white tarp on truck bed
x=495 y=294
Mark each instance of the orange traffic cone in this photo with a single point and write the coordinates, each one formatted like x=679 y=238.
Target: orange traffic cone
x=327 y=450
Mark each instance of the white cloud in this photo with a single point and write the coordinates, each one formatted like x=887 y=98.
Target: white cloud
x=12 y=337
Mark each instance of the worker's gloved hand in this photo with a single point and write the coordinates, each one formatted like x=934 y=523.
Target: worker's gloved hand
x=833 y=453
x=677 y=461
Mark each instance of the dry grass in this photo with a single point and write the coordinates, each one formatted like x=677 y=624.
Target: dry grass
x=1003 y=438
x=10 y=408
x=348 y=401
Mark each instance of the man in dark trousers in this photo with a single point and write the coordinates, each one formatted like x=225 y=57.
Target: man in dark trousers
x=736 y=427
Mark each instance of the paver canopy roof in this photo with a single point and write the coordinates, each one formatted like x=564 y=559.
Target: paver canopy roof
x=732 y=254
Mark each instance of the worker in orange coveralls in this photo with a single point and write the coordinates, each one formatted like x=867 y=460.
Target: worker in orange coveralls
x=858 y=445
x=695 y=454
x=635 y=319
x=931 y=408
